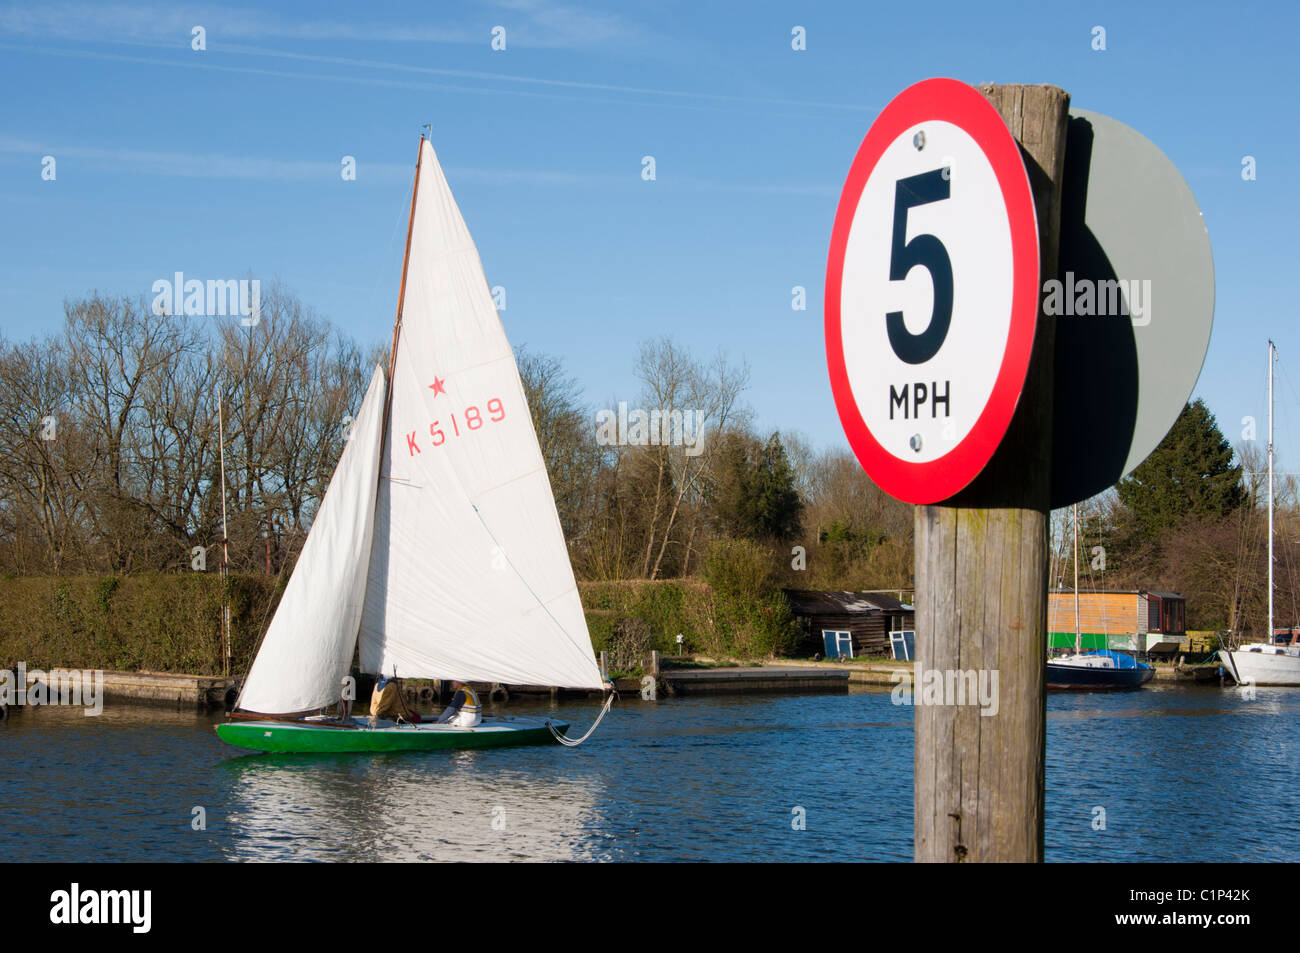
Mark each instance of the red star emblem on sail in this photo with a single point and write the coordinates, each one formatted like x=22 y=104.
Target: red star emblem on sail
x=437 y=386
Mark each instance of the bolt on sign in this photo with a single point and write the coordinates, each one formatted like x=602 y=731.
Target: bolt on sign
x=932 y=291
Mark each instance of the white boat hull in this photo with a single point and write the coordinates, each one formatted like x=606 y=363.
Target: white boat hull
x=1262 y=665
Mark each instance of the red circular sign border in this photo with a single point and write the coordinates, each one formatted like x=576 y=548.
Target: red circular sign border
x=952 y=101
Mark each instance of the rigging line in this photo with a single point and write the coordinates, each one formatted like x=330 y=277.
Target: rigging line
x=397 y=224
x=1286 y=418
x=513 y=479
x=545 y=608
x=574 y=742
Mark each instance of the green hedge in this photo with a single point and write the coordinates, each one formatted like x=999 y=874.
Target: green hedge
x=741 y=614
x=171 y=622
x=148 y=622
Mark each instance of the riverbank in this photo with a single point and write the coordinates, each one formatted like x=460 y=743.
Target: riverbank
x=675 y=677
x=89 y=687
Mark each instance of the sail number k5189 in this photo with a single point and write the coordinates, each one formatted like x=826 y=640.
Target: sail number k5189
x=472 y=418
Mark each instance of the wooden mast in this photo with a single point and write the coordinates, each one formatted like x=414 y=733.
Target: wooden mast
x=401 y=294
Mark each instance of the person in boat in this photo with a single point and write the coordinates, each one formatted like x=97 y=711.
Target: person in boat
x=464 y=710
x=385 y=700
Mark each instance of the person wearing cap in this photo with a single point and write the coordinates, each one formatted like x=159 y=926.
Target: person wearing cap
x=464 y=710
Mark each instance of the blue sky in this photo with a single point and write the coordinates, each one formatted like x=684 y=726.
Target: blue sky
x=225 y=162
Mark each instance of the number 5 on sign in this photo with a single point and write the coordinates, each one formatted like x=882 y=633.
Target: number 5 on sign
x=931 y=291
x=924 y=251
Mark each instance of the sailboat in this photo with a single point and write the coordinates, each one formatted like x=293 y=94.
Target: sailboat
x=1099 y=670
x=1266 y=663
x=437 y=549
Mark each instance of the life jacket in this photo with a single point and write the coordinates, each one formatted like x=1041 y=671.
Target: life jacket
x=471 y=705
x=468 y=714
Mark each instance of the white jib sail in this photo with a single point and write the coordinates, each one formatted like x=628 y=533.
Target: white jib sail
x=469 y=573
x=308 y=648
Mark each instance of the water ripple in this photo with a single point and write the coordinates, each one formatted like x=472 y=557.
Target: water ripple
x=1181 y=774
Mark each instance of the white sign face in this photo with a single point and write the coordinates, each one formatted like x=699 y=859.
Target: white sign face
x=950 y=225
x=932 y=291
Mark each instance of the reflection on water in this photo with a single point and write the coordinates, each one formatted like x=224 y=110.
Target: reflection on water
x=680 y=779
x=396 y=807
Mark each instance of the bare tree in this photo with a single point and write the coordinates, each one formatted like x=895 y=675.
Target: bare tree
x=565 y=435
x=672 y=381
x=45 y=463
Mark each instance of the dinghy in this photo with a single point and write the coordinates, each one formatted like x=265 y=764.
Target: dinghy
x=437 y=549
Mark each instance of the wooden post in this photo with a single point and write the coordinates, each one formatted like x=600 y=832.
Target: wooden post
x=654 y=662
x=981 y=583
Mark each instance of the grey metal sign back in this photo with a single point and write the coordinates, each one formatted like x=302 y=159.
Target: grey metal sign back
x=1133 y=302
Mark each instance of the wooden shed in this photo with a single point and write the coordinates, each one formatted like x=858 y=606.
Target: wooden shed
x=1134 y=619
x=859 y=622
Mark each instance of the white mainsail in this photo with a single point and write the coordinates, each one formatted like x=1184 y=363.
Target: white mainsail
x=469 y=573
x=308 y=648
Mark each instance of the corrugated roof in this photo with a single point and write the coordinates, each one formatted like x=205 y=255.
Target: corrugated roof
x=818 y=601
x=1066 y=590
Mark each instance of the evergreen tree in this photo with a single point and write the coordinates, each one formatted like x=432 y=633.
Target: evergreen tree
x=752 y=493
x=775 y=504
x=1191 y=473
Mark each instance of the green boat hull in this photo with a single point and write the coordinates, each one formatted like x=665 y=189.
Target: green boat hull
x=288 y=737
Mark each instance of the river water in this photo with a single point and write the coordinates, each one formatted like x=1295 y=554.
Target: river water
x=1183 y=774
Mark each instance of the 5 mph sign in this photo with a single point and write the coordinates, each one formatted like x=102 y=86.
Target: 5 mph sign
x=932 y=291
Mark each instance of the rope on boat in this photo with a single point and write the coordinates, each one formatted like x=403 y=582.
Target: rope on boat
x=574 y=742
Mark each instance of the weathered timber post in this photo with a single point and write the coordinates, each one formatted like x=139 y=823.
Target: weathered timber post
x=981 y=582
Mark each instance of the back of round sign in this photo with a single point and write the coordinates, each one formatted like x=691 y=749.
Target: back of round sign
x=1133 y=304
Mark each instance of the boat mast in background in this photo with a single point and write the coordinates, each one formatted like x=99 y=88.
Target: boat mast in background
x=1078 y=636
x=225 y=538
x=1272 y=356
x=1264 y=662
